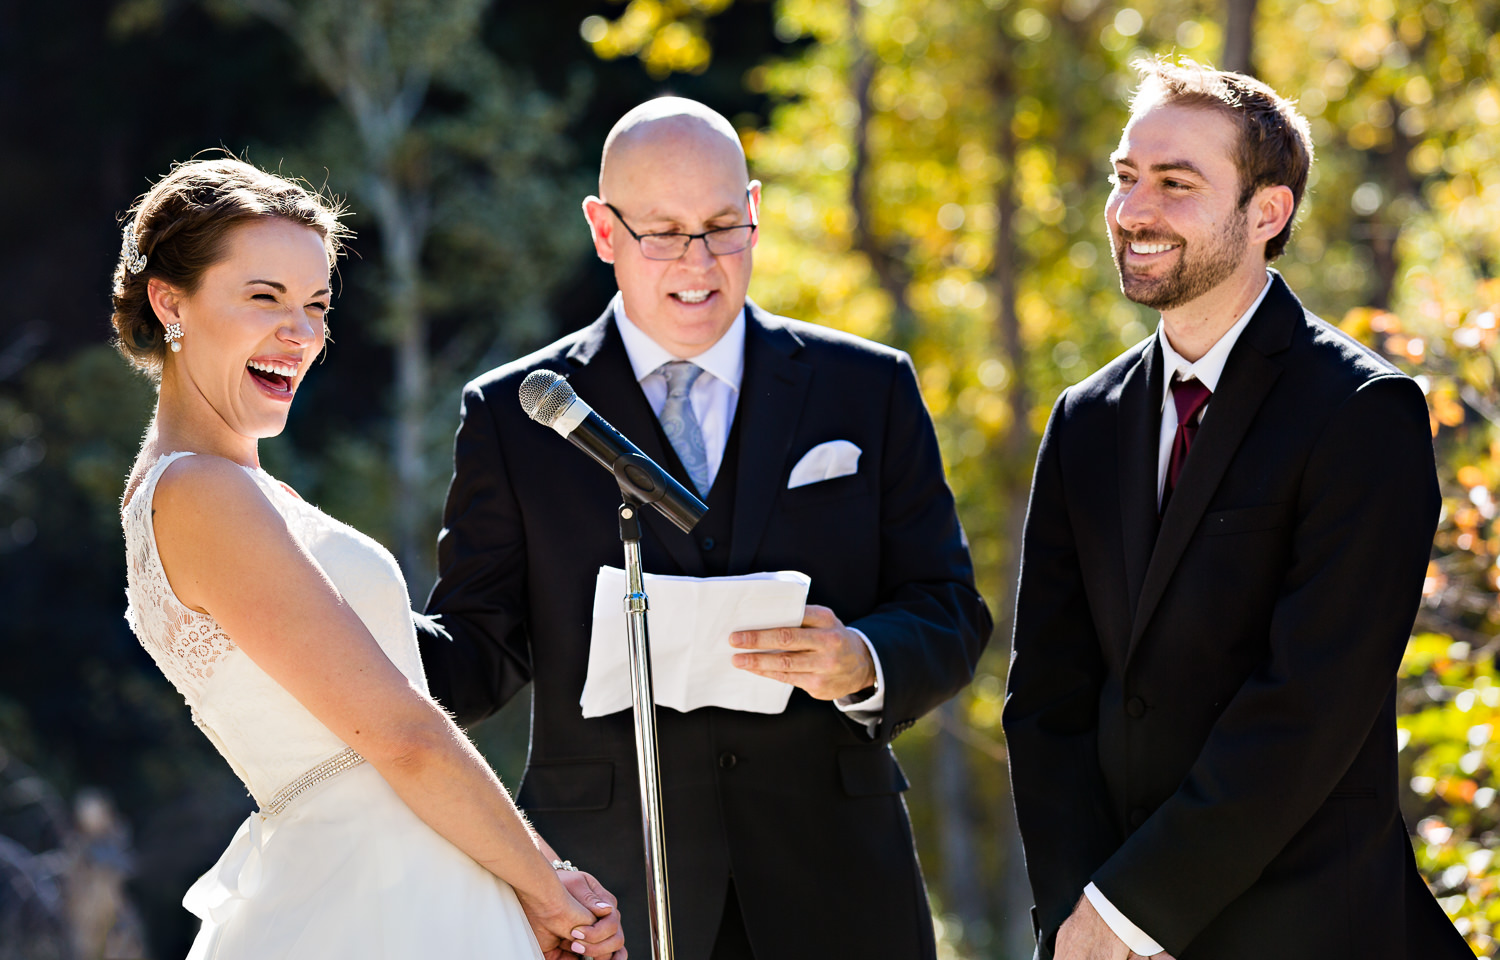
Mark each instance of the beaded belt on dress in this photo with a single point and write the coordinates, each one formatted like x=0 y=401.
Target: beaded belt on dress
x=345 y=759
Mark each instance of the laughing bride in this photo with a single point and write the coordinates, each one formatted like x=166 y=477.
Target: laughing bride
x=380 y=832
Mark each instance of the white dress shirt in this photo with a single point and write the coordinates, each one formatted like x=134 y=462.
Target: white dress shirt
x=1207 y=370
x=714 y=397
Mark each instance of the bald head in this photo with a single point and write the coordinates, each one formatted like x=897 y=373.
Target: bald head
x=675 y=168
x=673 y=126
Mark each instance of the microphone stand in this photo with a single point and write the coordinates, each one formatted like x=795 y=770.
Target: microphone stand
x=658 y=910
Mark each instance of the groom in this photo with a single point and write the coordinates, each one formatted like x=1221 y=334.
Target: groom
x=786 y=834
x=1224 y=552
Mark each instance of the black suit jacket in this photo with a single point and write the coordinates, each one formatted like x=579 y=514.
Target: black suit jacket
x=1201 y=710
x=804 y=808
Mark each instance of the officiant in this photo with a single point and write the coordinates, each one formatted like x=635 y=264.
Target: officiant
x=786 y=832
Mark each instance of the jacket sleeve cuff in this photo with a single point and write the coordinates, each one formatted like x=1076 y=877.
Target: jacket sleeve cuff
x=1131 y=935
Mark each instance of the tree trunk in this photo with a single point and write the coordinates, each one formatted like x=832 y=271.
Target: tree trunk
x=408 y=454
x=958 y=827
x=961 y=885
x=1239 y=36
x=890 y=269
x=1014 y=469
x=1015 y=938
x=401 y=220
x=1396 y=179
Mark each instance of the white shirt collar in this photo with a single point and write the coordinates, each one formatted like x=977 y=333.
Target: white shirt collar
x=725 y=359
x=1209 y=367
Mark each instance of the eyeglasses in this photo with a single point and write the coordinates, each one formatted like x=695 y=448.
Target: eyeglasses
x=720 y=241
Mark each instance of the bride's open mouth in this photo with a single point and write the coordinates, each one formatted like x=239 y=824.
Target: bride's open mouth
x=275 y=377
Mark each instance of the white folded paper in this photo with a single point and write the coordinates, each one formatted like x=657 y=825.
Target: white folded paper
x=690 y=621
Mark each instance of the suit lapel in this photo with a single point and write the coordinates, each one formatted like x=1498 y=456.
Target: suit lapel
x=1248 y=376
x=603 y=377
x=1139 y=439
x=770 y=406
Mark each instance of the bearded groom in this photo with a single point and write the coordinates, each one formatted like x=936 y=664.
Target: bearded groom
x=1224 y=552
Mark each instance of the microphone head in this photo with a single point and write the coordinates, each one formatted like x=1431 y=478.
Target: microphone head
x=545 y=395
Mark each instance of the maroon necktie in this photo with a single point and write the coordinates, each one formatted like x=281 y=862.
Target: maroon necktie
x=1190 y=396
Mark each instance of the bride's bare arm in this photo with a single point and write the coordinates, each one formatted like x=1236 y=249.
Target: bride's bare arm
x=227 y=553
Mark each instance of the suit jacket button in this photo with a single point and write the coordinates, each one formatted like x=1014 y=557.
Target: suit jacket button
x=728 y=760
x=1136 y=707
x=708 y=543
x=1138 y=816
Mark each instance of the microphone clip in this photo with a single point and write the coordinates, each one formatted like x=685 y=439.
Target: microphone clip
x=635 y=475
x=637 y=489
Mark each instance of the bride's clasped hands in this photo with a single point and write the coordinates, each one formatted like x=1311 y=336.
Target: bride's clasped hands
x=554 y=921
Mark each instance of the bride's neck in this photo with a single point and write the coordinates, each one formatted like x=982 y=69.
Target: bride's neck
x=184 y=420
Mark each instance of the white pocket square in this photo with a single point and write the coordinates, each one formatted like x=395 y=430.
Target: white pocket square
x=836 y=458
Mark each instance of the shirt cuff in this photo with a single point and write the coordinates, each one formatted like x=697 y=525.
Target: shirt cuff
x=868 y=710
x=1131 y=935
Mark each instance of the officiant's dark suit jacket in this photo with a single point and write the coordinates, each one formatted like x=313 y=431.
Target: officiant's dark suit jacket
x=804 y=808
x=1201 y=709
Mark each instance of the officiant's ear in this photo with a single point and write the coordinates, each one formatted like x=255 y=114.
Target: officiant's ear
x=601 y=227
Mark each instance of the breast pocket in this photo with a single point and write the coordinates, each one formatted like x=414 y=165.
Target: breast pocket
x=1223 y=523
x=826 y=491
x=579 y=785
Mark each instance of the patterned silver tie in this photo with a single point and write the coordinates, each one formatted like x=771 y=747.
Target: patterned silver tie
x=681 y=424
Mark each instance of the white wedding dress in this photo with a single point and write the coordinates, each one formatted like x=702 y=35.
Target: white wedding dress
x=333 y=864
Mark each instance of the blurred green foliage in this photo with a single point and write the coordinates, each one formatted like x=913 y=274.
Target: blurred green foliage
x=1448 y=684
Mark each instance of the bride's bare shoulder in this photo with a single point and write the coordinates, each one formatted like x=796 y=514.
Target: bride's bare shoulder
x=207 y=498
x=210 y=516
x=204 y=481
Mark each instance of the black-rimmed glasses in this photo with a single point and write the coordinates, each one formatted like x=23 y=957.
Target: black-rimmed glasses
x=720 y=241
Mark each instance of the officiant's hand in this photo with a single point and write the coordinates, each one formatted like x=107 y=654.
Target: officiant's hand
x=1085 y=936
x=822 y=656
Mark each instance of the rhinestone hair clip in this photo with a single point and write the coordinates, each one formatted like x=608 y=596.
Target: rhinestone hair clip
x=130 y=252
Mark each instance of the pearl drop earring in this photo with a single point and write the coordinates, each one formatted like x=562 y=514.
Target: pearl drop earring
x=174 y=336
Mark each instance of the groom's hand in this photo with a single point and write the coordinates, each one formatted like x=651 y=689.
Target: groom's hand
x=822 y=656
x=1085 y=936
x=603 y=938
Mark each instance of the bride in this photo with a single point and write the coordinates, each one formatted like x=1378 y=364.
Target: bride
x=381 y=832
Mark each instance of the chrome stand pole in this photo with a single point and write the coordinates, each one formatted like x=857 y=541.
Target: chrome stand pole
x=659 y=914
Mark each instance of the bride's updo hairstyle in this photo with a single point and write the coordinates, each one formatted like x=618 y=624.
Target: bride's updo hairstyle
x=179 y=228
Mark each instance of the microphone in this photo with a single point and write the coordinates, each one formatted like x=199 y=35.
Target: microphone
x=550 y=400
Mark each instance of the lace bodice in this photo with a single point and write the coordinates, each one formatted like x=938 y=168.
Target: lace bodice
x=266 y=735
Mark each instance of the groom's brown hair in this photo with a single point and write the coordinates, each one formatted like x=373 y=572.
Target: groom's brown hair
x=1275 y=142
